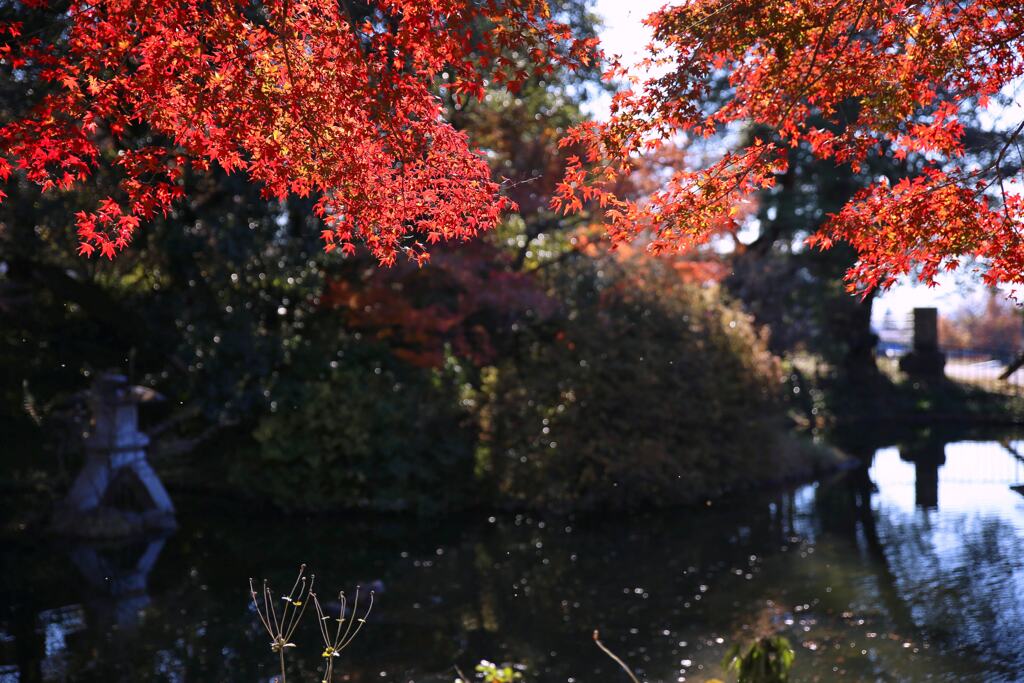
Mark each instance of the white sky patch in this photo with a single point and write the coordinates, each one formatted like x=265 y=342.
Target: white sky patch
x=953 y=292
x=623 y=34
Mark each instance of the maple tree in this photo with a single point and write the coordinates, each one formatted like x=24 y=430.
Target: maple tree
x=849 y=81
x=466 y=301
x=334 y=100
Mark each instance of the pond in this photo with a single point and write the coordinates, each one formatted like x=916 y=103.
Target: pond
x=909 y=570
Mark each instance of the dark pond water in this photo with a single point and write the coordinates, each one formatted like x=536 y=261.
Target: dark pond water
x=912 y=570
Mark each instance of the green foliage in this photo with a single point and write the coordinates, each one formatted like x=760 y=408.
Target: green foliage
x=645 y=390
x=207 y=305
x=769 y=660
x=369 y=432
x=489 y=672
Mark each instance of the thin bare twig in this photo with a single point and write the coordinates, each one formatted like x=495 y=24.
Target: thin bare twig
x=615 y=658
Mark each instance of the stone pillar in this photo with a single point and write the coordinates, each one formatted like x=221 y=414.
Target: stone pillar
x=925 y=360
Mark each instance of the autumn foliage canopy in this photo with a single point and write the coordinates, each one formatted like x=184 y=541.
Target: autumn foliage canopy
x=339 y=100
x=332 y=99
x=851 y=80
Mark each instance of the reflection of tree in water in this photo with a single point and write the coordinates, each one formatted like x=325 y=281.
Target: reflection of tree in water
x=958 y=575
x=515 y=589
x=522 y=590
x=844 y=511
x=541 y=589
x=944 y=578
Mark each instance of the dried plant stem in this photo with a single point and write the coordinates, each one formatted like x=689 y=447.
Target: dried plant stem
x=337 y=641
x=615 y=658
x=281 y=627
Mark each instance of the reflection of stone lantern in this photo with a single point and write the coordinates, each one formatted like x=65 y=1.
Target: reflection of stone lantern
x=116 y=469
x=118 y=579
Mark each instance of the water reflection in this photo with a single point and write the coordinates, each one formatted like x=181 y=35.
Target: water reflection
x=928 y=453
x=117 y=577
x=56 y=626
x=911 y=569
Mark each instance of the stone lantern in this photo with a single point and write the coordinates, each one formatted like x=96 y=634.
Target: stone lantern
x=115 y=461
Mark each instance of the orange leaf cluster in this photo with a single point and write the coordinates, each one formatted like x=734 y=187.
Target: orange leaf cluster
x=888 y=78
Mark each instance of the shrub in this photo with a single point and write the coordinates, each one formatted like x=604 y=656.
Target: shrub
x=371 y=432
x=645 y=390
